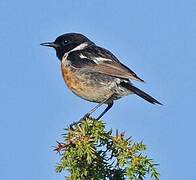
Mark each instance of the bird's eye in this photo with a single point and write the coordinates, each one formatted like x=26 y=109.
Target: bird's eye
x=65 y=42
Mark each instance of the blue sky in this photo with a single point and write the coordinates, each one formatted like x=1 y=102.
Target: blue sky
x=156 y=39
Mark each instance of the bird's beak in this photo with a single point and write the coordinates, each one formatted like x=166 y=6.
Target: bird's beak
x=50 y=44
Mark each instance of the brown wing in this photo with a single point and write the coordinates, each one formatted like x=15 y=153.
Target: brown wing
x=103 y=61
x=115 y=69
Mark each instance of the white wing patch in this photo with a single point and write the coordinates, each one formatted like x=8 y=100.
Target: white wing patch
x=97 y=60
x=82 y=56
x=101 y=59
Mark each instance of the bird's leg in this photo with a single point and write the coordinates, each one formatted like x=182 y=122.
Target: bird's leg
x=107 y=108
x=96 y=107
x=92 y=110
x=88 y=114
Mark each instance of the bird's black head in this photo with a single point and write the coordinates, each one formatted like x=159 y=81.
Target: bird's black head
x=67 y=42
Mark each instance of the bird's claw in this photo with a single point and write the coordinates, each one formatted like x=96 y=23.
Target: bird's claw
x=77 y=122
x=84 y=117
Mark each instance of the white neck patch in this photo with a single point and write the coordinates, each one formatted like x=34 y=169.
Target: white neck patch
x=77 y=48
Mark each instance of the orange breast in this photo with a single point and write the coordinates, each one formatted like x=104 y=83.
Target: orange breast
x=84 y=85
x=70 y=78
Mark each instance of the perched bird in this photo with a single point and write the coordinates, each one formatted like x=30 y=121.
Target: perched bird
x=94 y=73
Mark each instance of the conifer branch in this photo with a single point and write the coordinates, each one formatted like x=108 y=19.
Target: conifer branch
x=90 y=152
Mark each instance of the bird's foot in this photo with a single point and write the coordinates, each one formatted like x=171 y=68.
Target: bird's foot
x=77 y=122
x=85 y=117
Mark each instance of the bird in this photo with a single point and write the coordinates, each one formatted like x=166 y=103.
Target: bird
x=94 y=73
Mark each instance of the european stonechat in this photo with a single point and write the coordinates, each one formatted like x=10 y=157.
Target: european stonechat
x=94 y=73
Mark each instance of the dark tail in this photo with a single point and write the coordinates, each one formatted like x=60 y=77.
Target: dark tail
x=140 y=93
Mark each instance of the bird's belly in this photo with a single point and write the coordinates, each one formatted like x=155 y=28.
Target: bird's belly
x=86 y=85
